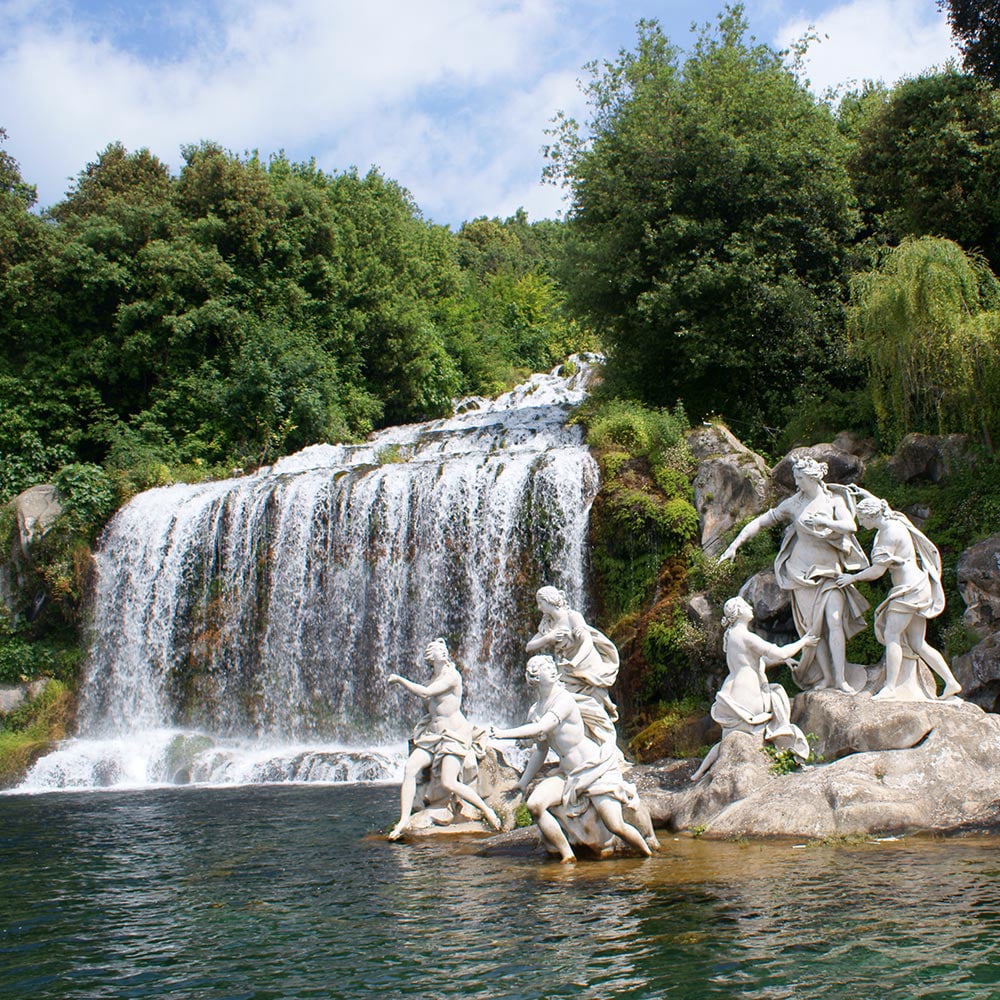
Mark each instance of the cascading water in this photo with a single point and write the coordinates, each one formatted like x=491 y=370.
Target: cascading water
x=244 y=629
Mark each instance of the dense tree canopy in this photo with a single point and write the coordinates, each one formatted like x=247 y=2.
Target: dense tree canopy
x=976 y=27
x=242 y=309
x=926 y=159
x=711 y=216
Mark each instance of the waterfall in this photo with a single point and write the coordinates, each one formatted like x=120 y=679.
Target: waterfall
x=243 y=630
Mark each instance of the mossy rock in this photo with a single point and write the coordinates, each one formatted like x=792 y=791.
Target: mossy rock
x=675 y=736
x=32 y=730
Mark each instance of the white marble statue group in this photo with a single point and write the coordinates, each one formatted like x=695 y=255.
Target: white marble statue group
x=819 y=563
x=585 y=799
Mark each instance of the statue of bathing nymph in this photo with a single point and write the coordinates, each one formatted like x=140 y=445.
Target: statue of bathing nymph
x=586 y=658
x=747 y=702
x=443 y=739
x=914 y=565
x=588 y=773
x=818 y=548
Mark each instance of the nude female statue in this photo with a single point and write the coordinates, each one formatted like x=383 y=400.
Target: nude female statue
x=914 y=565
x=443 y=739
x=819 y=547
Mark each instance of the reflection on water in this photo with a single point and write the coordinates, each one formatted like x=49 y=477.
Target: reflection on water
x=278 y=892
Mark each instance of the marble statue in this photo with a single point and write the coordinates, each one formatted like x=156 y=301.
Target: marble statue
x=443 y=740
x=588 y=777
x=818 y=548
x=586 y=658
x=914 y=565
x=747 y=702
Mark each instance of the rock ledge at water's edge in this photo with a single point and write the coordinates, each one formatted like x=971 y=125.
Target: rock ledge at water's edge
x=906 y=768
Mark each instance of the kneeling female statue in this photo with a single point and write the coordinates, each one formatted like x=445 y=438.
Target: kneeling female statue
x=747 y=702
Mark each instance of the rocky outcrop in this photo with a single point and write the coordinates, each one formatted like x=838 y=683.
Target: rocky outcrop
x=772 y=607
x=843 y=466
x=930 y=457
x=35 y=511
x=978 y=573
x=929 y=766
x=731 y=483
x=13 y=696
x=978 y=671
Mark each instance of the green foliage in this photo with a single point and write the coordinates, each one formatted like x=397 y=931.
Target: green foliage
x=782 y=761
x=30 y=731
x=711 y=216
x=643 y=514
x=671 y=646
x=522 y=816
x=88 y=495
x=925 y=159
x=975 y=25
x=926 y=322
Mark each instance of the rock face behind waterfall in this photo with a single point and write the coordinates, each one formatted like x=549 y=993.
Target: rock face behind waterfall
x=279 y=603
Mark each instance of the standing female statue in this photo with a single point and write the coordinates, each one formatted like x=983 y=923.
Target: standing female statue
x=587 y=661
x=914 y=565
x=819 y=547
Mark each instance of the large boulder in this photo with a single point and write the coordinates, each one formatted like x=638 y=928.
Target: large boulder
x=929 y=766
x=731 y=483
x=842 y=466
x=978 y=573
x=35 y=511
x=978 y=671
x=930 y=456
x=772 y=607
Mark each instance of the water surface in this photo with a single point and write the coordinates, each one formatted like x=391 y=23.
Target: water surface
x=270 y=891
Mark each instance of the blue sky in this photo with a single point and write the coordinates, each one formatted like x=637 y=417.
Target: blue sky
x=449 y=97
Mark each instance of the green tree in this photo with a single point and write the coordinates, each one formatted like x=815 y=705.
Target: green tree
x=926 y=159
x=976 y=27
x=710 y=220
x=926 y=322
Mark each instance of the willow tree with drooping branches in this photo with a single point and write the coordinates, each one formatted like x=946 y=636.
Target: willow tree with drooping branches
x=926 y=321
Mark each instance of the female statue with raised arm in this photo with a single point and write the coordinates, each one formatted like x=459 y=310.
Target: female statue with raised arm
x=587 y=661
x=819 y=546
x=914 y=565
x=443 y=738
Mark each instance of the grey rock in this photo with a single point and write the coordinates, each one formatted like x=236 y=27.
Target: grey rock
x=772 y=607
x=13 y=696
x=842 y=466
x=703 y=614
x=713 y=440
x=978 y=573
x=930 y=456
x=728 y=489
x=855 y=444
x=978 y=671
x=36 y=510
x=931 y=767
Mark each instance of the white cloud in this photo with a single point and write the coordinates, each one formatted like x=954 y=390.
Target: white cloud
x=373 y=83
x=871 y=39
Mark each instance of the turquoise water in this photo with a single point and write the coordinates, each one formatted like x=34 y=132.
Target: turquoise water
x=280 y=892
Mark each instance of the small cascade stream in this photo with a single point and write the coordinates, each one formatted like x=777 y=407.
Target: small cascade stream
x=243 y=630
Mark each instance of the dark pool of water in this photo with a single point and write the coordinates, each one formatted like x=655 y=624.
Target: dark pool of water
x=278 y=892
